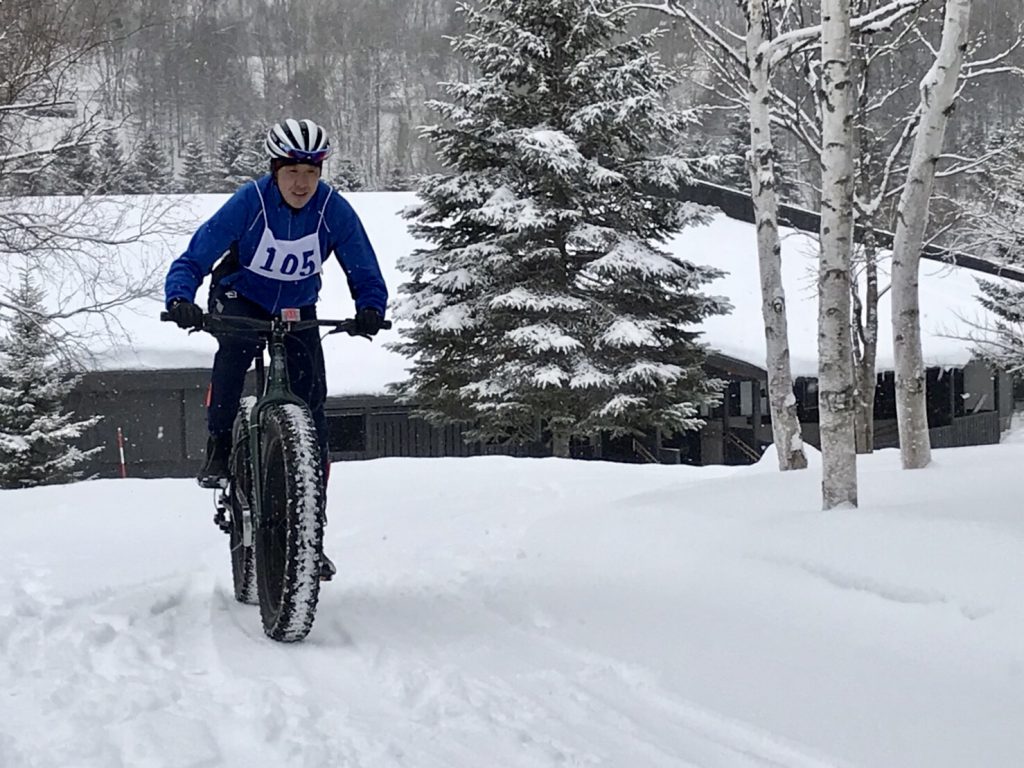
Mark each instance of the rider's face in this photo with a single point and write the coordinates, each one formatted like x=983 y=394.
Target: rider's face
x=297 y=183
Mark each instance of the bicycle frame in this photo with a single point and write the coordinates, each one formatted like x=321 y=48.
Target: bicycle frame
x=272 y=386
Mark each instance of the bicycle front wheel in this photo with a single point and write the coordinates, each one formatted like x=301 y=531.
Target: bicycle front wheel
x=289 y=536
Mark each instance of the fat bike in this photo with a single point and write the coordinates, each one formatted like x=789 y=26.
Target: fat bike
x=272 y=505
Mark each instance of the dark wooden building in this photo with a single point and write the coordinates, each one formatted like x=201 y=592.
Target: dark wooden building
x=162 y=417
x=971 y=405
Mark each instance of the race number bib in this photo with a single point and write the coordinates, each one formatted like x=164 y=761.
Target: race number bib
x=287 y=260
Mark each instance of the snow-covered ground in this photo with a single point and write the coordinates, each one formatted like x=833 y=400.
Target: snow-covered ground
x=510 y=612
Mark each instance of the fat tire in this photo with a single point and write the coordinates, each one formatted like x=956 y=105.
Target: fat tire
x=243 y=559
x=289 y=537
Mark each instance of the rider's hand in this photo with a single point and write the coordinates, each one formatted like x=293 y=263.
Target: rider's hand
x=368 y=321
x=185 y=313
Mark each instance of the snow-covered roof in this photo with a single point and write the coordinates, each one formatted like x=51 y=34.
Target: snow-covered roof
x=947 y=294
x=356 y=366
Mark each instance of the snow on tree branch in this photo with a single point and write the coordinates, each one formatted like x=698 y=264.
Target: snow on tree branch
x=543 y=293
x=97 y=253
x=35 y=431
x=785 y=44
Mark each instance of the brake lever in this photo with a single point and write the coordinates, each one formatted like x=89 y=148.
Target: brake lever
x=350 y=330
x=366 y=336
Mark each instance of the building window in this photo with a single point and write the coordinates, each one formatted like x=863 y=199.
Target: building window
x=806 y=391
x=732 y=399
x=885 y=396
x=346 y=432
x=746 y=398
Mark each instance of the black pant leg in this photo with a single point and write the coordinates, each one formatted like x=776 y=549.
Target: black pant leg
x=235 y=353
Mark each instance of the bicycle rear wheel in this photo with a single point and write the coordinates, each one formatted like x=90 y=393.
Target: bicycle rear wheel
x=289 y=537
x=243 y=558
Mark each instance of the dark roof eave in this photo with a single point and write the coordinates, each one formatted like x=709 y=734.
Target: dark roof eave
x=739 y=206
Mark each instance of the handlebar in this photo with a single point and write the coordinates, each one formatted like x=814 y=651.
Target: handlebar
x=212 y=323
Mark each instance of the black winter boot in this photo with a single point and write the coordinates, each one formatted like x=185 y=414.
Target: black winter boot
x=215 y=471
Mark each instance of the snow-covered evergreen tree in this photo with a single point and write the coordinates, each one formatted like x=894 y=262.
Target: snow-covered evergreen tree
x=239 y=158
x=114 y=175
x=397 y=180
x=345 y=175
x=35 y=433
x=195 y=169
x=546 y=295
x=46 y=181
x=29 y=181
x=1001 y=341
x=150 y=167
x=78 y=171
x=253 y=161
x=994 y=230
x=227 y=167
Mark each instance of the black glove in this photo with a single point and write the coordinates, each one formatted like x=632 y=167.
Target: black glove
x=368 y=321
x=186 y=314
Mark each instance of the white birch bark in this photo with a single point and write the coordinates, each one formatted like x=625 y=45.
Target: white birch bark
x=865 y=353
x=835 y=342
x=938 y=93
x=781 y=400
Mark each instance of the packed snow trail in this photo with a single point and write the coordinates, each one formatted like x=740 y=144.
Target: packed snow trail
x=527 y=613
x=174 y=672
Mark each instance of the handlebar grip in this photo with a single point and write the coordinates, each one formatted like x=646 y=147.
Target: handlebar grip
x=165 y=317
x=386 y=325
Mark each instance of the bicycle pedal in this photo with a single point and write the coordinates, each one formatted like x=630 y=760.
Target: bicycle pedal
x=220 y=517
x=222 y=522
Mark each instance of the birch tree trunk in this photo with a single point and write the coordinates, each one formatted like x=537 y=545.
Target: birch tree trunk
x=781 y=400
x=938 y=93
x=866 y=349
x=835 y=341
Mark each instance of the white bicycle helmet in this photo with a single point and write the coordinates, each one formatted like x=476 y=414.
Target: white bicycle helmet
x=297 y=141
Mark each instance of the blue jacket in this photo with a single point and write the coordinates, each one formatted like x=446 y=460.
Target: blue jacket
x=238 y=227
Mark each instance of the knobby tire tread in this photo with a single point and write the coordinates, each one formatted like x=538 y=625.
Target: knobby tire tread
x=289 y=538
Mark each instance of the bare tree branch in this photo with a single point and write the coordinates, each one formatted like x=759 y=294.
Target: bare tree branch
x=96 y=253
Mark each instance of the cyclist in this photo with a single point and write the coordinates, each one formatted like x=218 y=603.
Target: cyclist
x=271 y=239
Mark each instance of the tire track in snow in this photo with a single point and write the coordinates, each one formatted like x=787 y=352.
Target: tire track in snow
x=174 y=673
x=136 y=677
x=456 y=682
x=91 y=682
